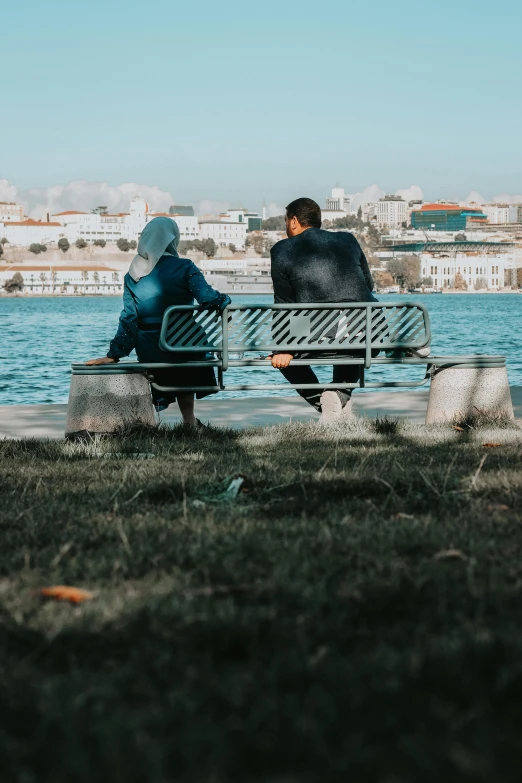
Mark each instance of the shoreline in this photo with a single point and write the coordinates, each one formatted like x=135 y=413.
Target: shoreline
x=235 y=292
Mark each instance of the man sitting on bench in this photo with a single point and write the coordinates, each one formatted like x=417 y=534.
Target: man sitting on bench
x=313 y=265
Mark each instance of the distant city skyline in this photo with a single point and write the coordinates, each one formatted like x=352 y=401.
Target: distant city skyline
x=263 y=102
x=86 y=195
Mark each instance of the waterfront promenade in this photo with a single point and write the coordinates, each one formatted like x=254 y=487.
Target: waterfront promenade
x=48 y=421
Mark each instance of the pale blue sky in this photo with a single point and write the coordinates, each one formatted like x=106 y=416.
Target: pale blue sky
x=245 y=101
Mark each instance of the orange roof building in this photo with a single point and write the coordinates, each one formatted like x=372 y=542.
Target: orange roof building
x=34 y=223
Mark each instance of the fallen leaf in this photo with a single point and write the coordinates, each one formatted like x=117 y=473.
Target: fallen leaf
x=450 y=554
x=402 y=515
x=497 y=507
x=63 y=593
x=491 y=445
x=459 y=429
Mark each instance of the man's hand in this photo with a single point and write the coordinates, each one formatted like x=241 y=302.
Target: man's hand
x=102 y=360
x=280 y=360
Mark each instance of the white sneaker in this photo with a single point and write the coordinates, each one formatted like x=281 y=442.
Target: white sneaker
x=422 y=353
x=332 y=408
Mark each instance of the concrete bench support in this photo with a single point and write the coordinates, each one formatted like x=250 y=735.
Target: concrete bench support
x=106 y=402
x=461 y=392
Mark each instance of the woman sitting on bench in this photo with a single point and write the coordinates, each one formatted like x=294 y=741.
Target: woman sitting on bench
x=157 y=279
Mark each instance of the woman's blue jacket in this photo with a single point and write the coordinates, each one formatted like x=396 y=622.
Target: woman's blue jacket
x=173 y=281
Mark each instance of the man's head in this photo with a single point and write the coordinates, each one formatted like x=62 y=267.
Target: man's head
x=301 y=214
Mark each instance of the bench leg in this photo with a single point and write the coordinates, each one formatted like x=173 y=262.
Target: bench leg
x=460 y=393
x=106 y=403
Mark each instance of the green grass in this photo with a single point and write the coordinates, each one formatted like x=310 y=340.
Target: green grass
x=354 y=614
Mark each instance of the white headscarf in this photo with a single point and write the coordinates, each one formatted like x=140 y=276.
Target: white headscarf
x=159 y=238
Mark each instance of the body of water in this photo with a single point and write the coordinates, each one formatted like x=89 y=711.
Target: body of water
x=40 y=337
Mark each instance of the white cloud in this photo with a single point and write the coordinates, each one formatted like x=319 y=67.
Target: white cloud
x=8 y=192
x=367 y=196
x=413 y=193
x=273 y=210
x=208 y=207
x=502 y=198
x=505 y=198
x=373 y=193
x=474 y=198
x=84 y=196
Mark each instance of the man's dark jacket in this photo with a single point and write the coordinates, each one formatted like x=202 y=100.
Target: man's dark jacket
x=321 y=266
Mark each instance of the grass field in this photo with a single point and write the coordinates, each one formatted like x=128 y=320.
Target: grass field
x=353 y=613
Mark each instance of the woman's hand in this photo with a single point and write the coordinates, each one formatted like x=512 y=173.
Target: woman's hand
x=102 y=360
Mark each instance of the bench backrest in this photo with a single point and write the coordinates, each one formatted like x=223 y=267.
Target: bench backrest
x=340 y=326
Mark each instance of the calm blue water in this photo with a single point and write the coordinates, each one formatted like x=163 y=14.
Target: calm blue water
x=41 y=337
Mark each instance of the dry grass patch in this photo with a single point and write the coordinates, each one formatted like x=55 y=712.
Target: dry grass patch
x=350 y=611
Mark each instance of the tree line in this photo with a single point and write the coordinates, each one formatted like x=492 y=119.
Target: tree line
x=64 y=245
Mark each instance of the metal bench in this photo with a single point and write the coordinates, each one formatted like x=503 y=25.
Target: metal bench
x=240 y=334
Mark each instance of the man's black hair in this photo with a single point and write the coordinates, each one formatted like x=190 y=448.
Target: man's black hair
x=307 y=212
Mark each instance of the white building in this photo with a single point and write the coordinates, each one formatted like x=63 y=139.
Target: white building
x=27 y=232
x=188 y=225
x=135 y=221
x=515 y=213
x=224 y=232
x=337 y=206
x=369 y=212
x=339 y=200
x=498 y=213
x=10 y=211
x=252 y=220
x=123 y=225
x=234 y=215
x=91 y=226
x=253 y=266
x=391 y=211
x=332 y=214
x=65 y=279
x=478 y=270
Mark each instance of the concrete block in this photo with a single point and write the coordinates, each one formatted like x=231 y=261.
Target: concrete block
x=106 y=402
x=460 y=392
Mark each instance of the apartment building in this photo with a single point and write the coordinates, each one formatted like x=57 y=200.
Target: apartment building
x=338 y=205
x=224 y=232
x=9 y=211
x=498 y=213
x=391 y=212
